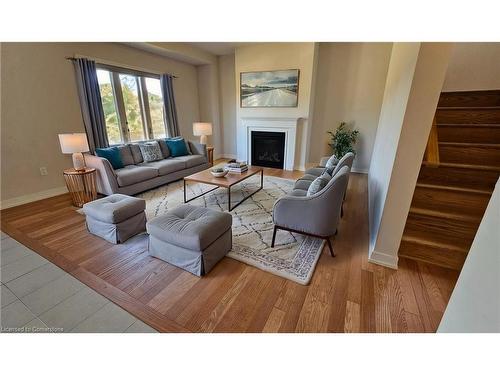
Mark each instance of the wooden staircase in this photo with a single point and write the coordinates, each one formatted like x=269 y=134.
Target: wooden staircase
x=456 y=179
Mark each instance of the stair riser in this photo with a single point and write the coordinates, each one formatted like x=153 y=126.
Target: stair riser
x=458 y=177
x=470 y=99
x=454 y=202
x=468 y=116
x=447 y=231
x=430 y=254
x=469 y=134
x=469 y=155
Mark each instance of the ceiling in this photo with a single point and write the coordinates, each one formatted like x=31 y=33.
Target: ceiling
x=218 y=48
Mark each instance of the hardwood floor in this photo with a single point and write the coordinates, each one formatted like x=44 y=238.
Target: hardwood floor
x=346 y=293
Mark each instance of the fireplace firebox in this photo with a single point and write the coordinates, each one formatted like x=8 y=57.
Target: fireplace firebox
x=268 y=149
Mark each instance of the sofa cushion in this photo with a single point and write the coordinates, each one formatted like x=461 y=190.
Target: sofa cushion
x=133 y=174
x=177 y=146
x=136 y=153
x=316 y=172
x=112 y=154
x=126 y=154
x=192 y=160
x=166 y=166
x=150 y=151
x=298 y=193
x=190 y=227
x=308 y=177
x=302 y=184
x=164 y=148
x=114 y=208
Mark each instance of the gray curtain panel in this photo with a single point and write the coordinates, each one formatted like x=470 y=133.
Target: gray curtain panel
x=90 y=102
x=171 y=122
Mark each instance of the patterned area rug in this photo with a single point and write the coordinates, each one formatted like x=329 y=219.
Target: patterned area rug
x=294 y=256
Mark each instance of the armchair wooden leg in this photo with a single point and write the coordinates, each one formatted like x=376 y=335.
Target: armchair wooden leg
x=274 y=235
x=342 y=210
x=330 y=246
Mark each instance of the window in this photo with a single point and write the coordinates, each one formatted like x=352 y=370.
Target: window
x=109 y=105
x=133 y=105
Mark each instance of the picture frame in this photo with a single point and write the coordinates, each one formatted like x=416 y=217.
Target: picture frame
x=270 y=89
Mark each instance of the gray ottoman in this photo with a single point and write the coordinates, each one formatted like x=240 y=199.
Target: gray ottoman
x=190 y=237
x=116 y=217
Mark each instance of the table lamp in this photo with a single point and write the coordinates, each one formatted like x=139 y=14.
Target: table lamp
x=75 y=144
x=202 y=129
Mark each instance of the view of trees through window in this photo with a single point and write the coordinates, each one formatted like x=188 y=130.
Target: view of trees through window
x=156 y=107
x=109 y=106
x=133 y=122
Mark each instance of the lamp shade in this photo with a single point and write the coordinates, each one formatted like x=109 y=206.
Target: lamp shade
x=74 y=142
x=202 y=128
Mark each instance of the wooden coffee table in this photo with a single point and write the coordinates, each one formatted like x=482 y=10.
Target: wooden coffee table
x=227 y=181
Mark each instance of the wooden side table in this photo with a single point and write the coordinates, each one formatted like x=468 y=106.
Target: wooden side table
x=210 y=152
x=81 y=185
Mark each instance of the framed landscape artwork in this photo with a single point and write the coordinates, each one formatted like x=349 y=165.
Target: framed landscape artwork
x=278 y=88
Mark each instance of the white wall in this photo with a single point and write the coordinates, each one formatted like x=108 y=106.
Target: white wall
x=474 y=305
x=473 y=66
x=350 y=87
x=414 y=82
x=39 y=100
x=278 y=56
x=227 y=102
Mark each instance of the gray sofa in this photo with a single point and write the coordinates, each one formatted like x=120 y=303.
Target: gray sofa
x=137 y=176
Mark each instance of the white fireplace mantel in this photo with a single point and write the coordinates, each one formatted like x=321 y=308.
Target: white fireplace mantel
x=271 y=124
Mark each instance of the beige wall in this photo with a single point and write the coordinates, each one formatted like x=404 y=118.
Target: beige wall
x=227 y=102
x=208 y=98
x=278 y=56
x=414 y=81
x=39 y=100
x=350 y=87
x=473 y=66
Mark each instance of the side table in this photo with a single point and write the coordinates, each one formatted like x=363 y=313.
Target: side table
x=81 y=185
x=210 y=153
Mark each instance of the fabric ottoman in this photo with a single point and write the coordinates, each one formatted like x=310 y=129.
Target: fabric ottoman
x=116 y=217
x=190 y=237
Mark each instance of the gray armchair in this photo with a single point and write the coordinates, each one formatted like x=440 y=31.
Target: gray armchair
x=312 y=173
x=316 y=215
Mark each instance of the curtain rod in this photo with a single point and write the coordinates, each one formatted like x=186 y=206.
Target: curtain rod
x=120 y=67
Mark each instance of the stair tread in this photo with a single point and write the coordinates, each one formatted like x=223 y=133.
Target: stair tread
x=471 y=125
x=446 y=215
x=465 y=144
x=454 y=188
x=469 y=107
x=464 y=166
x=438 y=244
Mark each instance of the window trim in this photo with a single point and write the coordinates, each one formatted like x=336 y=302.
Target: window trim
x=123 y=70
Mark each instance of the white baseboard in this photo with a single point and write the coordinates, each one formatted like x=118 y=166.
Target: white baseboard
x=28 y=198
x=301 y=168
x=383 y=260
x=358 y=170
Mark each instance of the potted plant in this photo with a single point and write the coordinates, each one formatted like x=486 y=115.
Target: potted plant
x=342 y=140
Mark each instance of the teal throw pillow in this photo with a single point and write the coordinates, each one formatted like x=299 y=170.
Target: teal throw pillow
x=177 y=146
x=112 y=154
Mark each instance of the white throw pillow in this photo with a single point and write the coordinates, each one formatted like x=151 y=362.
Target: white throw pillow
x=317 y=185
x=331 y=164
